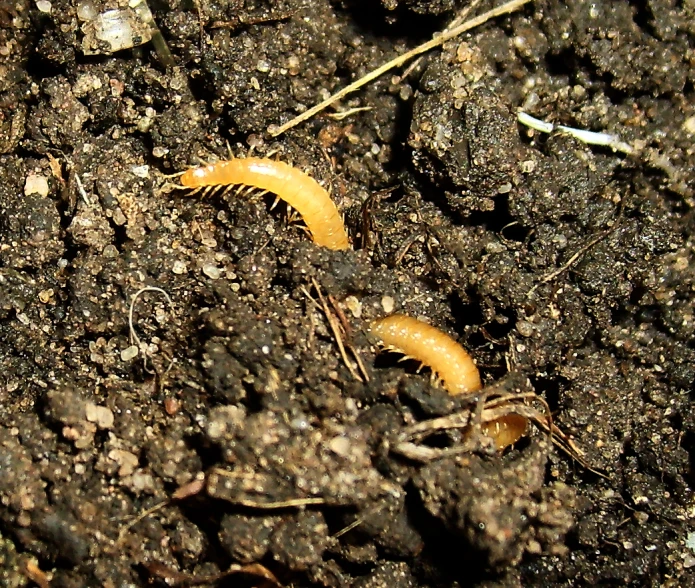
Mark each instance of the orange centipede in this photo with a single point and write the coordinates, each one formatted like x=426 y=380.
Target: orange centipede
x=450 y=361
x=300 y=191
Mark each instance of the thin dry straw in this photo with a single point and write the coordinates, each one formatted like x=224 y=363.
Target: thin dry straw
x=505 y=8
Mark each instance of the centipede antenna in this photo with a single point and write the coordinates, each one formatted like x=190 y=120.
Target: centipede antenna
x=176 y=175
x=170 y=187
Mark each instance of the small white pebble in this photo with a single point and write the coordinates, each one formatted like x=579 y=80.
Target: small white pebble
x=212 y=271
x=141 y=482
x=86 y=10
x=141 y=171
x=689 y=125
x=110 y=251
x=524 y=328
x=46 y=295
x=388 y=304
x=129 y=353
x=101 y=415
x=36 y=184
x=354 y=306
x=690 y=541
x=127 y=461
x=528 y=166
x=179 y=267
x=340 y=446
x=44 y=6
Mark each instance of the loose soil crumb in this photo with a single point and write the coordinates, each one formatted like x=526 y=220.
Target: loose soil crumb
x=222 y=439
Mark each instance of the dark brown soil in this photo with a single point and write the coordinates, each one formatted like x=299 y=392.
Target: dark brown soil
x=234 y=444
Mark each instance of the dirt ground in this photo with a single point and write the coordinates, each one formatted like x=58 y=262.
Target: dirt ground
x=220 y=438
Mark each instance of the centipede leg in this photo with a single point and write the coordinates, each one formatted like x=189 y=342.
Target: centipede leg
x=208 y=190
x=247 y=191
x=226 y=189
x=294 y=217
x=192 y=191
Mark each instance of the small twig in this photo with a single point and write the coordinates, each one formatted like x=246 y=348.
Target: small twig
x=143 y=515
x=36 y=574
x=349 y=112
x=341 y=315
x=588 y=137
x=348 y=333
x=359 y=520
x=277 y=504
x=271 y=504
x=572 y=260
x=175 y=578
x=463 y=15
x=366 y=214
x=335 y=327
x=81 y=190
x=408 y=242
x=134 y=339
x=158 y=41
x=505 y=8
x=133 y=335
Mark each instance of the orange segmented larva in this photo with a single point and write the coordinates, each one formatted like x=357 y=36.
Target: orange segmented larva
x=300 y=191
x=423 y=342
x=506 y=430
x=452 y=364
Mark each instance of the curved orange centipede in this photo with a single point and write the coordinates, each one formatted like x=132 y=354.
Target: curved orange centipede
x=300 y=191
x=451 y=362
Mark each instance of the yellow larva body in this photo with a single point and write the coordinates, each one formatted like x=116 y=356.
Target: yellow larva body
x=506 y=430
x=300 y=191
x=450 y=361
x=423 y=342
